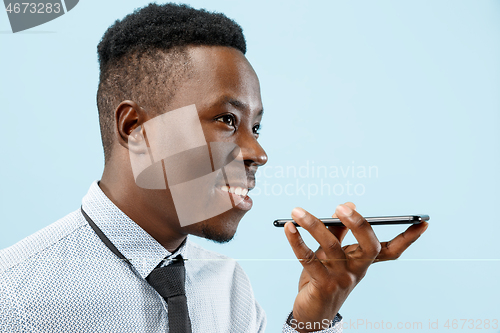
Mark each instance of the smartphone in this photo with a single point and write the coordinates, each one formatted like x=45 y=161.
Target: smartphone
x=377 y=220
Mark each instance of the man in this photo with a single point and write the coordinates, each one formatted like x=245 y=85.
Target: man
x=108 y=267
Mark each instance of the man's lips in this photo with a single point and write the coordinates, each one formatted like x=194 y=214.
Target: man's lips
x=241 y=200
x=238 y=189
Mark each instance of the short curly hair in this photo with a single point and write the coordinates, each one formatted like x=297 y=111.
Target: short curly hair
x=143 y=57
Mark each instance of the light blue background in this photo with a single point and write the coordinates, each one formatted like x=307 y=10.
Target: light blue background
x=410 y=87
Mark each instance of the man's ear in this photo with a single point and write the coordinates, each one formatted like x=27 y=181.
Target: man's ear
x=129 y=118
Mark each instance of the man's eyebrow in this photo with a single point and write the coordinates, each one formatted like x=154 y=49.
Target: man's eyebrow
x=240 y=105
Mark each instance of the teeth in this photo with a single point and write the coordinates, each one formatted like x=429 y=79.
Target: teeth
x=235 y=190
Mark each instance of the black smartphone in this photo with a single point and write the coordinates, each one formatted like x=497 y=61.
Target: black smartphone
x=377 y=220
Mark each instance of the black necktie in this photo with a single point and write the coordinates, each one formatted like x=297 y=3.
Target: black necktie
x=169 y=283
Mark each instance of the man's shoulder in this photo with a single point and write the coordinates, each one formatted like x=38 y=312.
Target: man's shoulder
x=206 y=260
x=40 y=240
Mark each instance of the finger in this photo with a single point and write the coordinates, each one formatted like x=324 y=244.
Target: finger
x=340 y=231
x=327 y=241
x=393 y=249
x=369 y=246
x=306 y=256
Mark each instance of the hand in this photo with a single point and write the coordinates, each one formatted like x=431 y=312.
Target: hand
x=332 y=272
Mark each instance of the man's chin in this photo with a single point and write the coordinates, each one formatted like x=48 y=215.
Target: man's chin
x=222 y=228
x=217 y=236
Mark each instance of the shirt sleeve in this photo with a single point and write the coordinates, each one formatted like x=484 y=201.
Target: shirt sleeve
x=335 y=326
x=249 y=315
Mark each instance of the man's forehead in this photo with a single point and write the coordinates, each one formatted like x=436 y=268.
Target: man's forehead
x=219 y=76
x=221 y=64
x=212 y=55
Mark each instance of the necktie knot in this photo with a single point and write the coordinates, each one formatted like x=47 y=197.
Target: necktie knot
x=169 y=280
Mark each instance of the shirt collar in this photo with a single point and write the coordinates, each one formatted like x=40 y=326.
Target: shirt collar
x=143 y=251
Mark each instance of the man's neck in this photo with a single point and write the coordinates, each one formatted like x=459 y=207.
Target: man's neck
x=126 y=195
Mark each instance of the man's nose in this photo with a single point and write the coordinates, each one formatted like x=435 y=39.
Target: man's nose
x=252 y=151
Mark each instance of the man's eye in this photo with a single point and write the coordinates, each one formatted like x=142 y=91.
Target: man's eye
x=256 y=129
x=226 y=119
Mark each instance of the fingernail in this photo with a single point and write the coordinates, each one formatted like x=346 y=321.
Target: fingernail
x=344 y=210
x=425 y=228
x=298 y=212
x=292 y=228
x=352 y=203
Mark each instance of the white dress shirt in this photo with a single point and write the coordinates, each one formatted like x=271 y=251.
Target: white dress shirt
x=64 y=279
